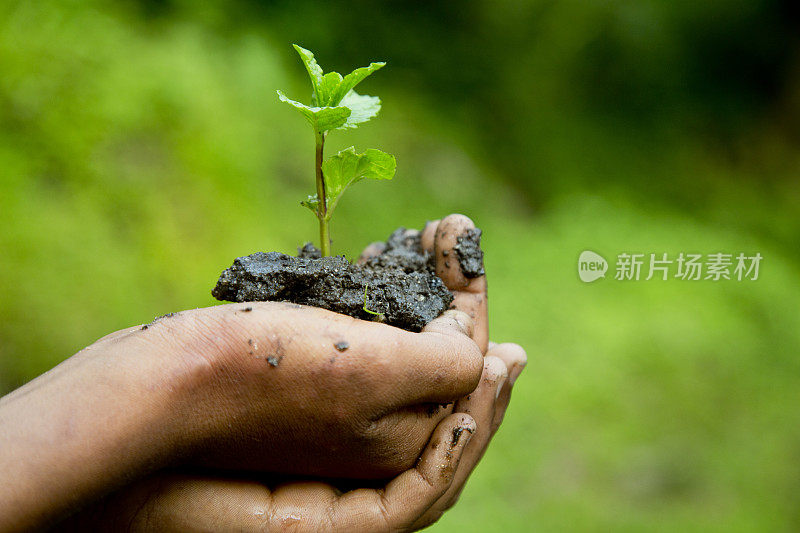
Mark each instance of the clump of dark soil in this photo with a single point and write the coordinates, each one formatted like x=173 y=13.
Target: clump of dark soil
x=402 y=288
x=469 y=253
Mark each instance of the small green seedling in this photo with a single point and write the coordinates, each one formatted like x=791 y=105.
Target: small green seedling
x=336 y=106
x=379 y=317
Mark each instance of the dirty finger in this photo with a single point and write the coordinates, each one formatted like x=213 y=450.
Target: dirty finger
x=459 y=263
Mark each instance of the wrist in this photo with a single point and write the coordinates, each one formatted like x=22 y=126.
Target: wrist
x=97 y=421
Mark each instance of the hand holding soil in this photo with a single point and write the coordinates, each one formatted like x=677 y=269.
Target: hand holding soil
x=290 y=389
x=265 y=387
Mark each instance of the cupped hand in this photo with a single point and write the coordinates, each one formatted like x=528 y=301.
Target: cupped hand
x=412 y=501
x=285 y=388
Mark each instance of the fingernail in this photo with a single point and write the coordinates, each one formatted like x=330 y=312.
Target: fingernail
x=500 y=382
x=516 y=370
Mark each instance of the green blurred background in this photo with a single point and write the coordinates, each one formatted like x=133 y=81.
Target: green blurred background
x=142 y=148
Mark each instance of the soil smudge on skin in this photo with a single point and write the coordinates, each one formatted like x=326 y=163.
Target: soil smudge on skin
x=469 y=253
x=341 y=345
x=433 y=408
x=246 y=309
x=400 y=283
x=156 y=319
x=273 y=360
x=457 y=431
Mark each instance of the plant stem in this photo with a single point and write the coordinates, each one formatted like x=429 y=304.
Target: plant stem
x=322 y=208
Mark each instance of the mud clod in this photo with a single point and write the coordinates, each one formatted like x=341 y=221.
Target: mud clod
x=309 y=251
x=469 y=253
x=401 y=282
x=341 y=345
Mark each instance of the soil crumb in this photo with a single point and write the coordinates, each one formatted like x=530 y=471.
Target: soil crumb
x=469 y=253
x=400 y=283
x=309 y=251
x=273 y=360
x=342 y=345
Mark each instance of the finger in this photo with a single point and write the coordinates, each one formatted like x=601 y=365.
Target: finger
x=373 y=249
x=410 y=426
x=515 y=360
x=480 y=404
x=463 y=276
x=412 y=493
x=428 y=235
x=440 y=364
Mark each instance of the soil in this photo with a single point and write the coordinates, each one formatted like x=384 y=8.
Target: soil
x=469 y=253
x=402 y=288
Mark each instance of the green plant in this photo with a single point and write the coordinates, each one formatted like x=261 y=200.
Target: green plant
x=336 y=106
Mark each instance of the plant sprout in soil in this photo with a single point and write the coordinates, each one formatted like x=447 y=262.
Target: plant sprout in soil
x=336 y=106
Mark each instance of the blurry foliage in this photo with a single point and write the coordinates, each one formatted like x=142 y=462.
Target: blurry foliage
x=142 y=148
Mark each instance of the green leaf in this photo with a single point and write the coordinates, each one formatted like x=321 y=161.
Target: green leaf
x=333 y=91
x=321 y=118
x=348 y=167
x=314 y=70
x=362 y=108
x=351 y=80
x=330 y=82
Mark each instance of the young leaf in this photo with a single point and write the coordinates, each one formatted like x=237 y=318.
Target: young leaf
x=351 y=80
x=348 y=167
x=321 y=118
x=327 y=87
x=314 y=71
x=362 y=108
